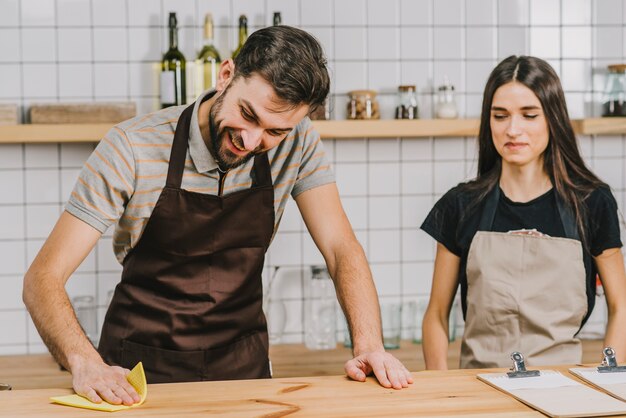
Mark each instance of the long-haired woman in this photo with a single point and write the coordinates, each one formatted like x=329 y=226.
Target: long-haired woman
x=527 y=237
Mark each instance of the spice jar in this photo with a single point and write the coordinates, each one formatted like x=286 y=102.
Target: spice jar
x=615 y=91
x=407 y=103
x=446 y=103
x=363 y=105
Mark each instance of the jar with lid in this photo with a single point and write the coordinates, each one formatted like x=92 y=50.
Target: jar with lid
x=320 y=319
x=613 y=102
x=407 y=103
x=446 y=103
x=362 y=105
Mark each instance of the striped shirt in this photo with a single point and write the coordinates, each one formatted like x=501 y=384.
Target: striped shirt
x=122 y=179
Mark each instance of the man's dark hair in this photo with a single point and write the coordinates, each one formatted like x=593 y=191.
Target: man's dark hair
x=291 y=60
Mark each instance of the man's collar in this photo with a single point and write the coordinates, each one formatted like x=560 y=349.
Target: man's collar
x=200 y=154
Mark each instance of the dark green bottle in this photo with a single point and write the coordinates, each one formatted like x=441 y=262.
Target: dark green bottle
x=173 y=85
x=243 y=34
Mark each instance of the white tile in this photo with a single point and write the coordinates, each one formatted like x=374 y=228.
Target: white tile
x=40 y=219
x=111 y=80
x=13 y=225
x=414 y=210
x=382 y=12
x=512 y=41
x=610 y=171
x=9 y=45
x=417 y=278
x=75 y=80
x=325 y=36
x=351 y=151
x=109 y=12
x=11 y=156
x=13 y=325
x=68 y=180
x=74 y=44
x=10 y=13
x=32 y=249
x=416 y=12
x=417 y=177
x=477 y=73
x=355 y=208
x=148 y=105
x=417 y=246
x=12 y=186
x=291 y=218
x=38 y=45
x=350 y=43
x=42 y=186
x=585 y=145
x=144 y=78
x=473 y=104
x=73 y=13
x=220 y=10
x=545 y=42
x=349 y=76
x=576 y=12
x=387 y=278
x=89 y=263
x=12 y=257
x=387 y=101
x=453 y=70
x=448 y=43
x=383 y=77
x=416 y=149
x=184 y=9
x=383 y=43
x=471 y=147
x=145 y=13
x=576 y=42
x=316 y=12
x=37 y=12
x=384 y=246
x=106 y=260
x=350 y=179
x=384 y=150
x=480 y=12
x=513 y=12
x=81 y=284
x=106 y=283
x=545 y=12
x=608 y=42
x=286 y=249
x=350 y=12
x=384 y=179
x=40 y=80
x=289 y=12
x=110 y=44
x=449 y=12
x=607 y=146
x=187 y=43
x=447 y=175
x=409 y=48
x=607 y=12
x=480 y=43
x=575 y=105
x=384 y=212
x=41 y=155
x=449 y=149
x=310 y=253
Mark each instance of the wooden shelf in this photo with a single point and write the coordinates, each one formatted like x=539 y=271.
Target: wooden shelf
x=339 y=129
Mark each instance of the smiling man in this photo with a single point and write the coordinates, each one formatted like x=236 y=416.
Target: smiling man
x=196 y=194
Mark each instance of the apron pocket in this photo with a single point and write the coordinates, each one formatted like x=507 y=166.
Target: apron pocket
x=246 y=358
x=164 y=366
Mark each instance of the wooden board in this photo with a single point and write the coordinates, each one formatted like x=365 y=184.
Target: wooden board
x=8 y=114
x=55 y=113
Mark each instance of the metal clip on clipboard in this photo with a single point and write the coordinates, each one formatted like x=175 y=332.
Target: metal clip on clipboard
x=609 y=364
x=519 y=368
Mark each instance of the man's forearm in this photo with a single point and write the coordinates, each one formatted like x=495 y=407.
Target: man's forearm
x=56 y=322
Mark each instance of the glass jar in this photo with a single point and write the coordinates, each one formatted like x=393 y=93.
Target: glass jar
x=615 y=91
x=320 y=321
x=446 y=102
x=407 y=103
x=362 y=105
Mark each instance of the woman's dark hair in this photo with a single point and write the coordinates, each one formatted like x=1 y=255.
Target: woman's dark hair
x=571 y=178
x=291 y=60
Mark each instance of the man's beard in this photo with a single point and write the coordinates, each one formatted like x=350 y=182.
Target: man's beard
x=223 y=156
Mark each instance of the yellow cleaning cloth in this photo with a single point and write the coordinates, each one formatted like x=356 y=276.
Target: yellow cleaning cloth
x=136 y=378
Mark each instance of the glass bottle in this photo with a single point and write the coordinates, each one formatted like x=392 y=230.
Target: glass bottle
x=615 y=91
x=446 y=102
x=320 y=322
x=243 y=34
x=362 y=105
x=173 y=86
x=208 y=60
x=277 y=19
x=407 y=103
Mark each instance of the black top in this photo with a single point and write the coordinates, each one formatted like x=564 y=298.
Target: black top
x=450 y=223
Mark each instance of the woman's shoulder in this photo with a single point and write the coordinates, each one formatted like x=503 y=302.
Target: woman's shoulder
x=600 y=196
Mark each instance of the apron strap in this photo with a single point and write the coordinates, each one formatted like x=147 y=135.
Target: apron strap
x=567 y=218
x=489 y=211
x=262 y=171
x=179 y=149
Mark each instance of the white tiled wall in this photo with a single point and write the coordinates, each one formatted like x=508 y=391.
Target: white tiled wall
x=78 y=50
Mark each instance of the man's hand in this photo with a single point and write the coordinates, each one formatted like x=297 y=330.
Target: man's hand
x=98 y=382
x=389 y=371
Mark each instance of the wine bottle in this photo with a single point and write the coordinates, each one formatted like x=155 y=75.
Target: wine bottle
x=277 y=20
x=243 y=34
x=173 y=86
x=208 y=60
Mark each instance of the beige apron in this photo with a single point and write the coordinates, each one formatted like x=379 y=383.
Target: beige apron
x=524 y=293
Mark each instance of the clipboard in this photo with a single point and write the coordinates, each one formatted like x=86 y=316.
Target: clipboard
x=552 y=393
x=608 y=377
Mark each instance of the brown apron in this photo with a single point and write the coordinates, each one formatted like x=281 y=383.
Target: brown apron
x=524 y=293
x=189 y=305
